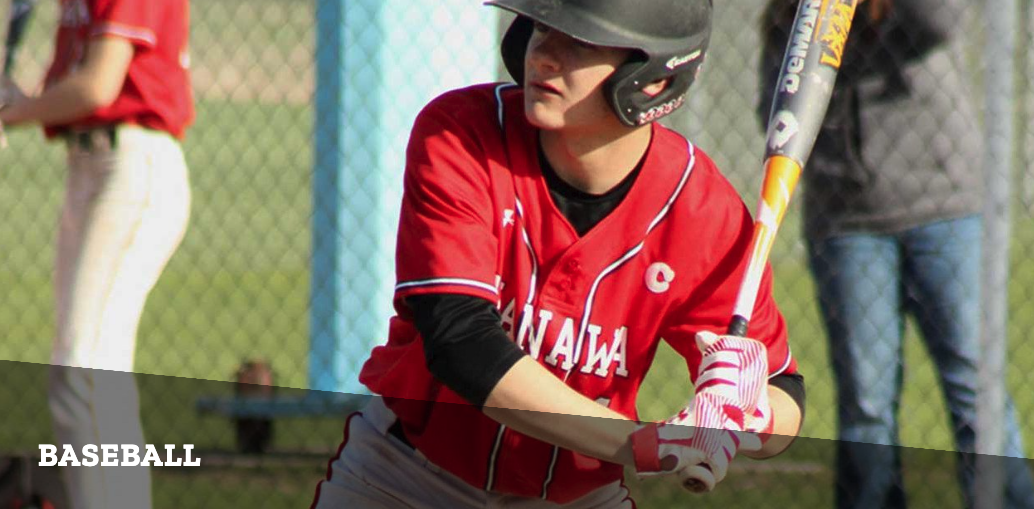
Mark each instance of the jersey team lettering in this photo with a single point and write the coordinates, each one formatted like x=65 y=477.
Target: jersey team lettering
x=532 y=331
x=116 y=455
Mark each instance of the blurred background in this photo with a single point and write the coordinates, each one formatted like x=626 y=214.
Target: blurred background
x=242 y=286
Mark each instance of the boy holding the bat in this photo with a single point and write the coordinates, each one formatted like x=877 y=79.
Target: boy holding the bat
x=893 y=193
x=551 y=235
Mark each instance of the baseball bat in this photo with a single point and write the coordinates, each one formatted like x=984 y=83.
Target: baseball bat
x=21 y=11
x=802 y=92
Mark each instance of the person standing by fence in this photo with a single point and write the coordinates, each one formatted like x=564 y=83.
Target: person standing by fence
x=892 y=202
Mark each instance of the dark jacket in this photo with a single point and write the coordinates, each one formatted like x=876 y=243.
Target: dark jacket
x=900 y=145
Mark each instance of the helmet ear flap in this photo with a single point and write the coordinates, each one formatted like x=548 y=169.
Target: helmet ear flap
x=624 y=91
x=515 y=45
x=620 y=85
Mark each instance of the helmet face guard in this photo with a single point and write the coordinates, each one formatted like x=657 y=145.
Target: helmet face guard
x=668 y=37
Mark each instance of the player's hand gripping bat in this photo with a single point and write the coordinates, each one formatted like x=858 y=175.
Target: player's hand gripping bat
x=806 y=77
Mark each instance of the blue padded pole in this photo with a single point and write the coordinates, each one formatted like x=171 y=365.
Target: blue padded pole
x=377 y=63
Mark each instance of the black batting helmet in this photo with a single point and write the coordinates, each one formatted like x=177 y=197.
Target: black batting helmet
x=669 y=39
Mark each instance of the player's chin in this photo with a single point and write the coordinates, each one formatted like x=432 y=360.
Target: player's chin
x=543 y=117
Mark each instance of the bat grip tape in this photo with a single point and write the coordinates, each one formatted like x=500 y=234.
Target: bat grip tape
x=738 y=326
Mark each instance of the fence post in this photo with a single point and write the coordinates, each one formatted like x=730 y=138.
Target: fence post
x=377 y=63
x=1027 y=163
x=999 y=114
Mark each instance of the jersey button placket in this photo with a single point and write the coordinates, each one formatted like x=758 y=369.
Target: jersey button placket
x=567 y=284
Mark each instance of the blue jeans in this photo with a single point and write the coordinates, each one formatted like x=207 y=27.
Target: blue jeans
x=866 y=284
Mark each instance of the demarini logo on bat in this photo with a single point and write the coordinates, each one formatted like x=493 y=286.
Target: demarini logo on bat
x=798 y=50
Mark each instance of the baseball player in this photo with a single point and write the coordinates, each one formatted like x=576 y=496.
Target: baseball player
x=551 y=235
x=117 y=93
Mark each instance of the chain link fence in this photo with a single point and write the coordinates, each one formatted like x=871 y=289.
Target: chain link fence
x=239 y=287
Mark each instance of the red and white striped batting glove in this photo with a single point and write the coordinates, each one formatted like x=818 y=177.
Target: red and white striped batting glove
x=734 y=374
x=760 y=421
x=731 y=397
x=667 y=447
x=734 y=369
x=676 y=446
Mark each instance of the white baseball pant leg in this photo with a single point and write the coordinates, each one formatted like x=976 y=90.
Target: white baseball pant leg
x=126 y=210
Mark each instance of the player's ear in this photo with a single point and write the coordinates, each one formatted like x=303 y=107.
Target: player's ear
x=656 y=87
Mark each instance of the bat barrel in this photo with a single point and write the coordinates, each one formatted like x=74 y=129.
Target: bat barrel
x=806 y=76
x=803 y=89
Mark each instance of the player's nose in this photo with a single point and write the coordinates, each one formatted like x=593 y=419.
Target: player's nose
x=545 y=53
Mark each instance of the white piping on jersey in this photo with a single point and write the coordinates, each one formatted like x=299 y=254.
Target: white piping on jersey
x=447 y=281
x=628 y=255
x=549 y=473
x=127 y=31
x=531 y=252
x=499 y=100
x=493 y=457
x=786 y=364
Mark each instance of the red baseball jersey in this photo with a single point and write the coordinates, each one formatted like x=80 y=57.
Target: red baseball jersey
x=156 y=93
x=477 y=219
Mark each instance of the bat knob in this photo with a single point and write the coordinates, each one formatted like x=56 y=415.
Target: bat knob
x=694 y=485
x=693 y=478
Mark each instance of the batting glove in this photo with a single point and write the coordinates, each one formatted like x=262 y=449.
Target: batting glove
x=731 y=397
x=760 y=421
x=676 y=446
x=734 y=369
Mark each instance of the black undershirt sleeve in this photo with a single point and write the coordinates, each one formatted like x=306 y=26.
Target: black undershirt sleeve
x=464 y=343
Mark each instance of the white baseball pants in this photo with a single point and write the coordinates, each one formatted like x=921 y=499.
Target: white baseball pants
x=125 y=212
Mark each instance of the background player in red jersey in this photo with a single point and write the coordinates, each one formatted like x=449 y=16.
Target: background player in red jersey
x=551 y=235
x=118 y=93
